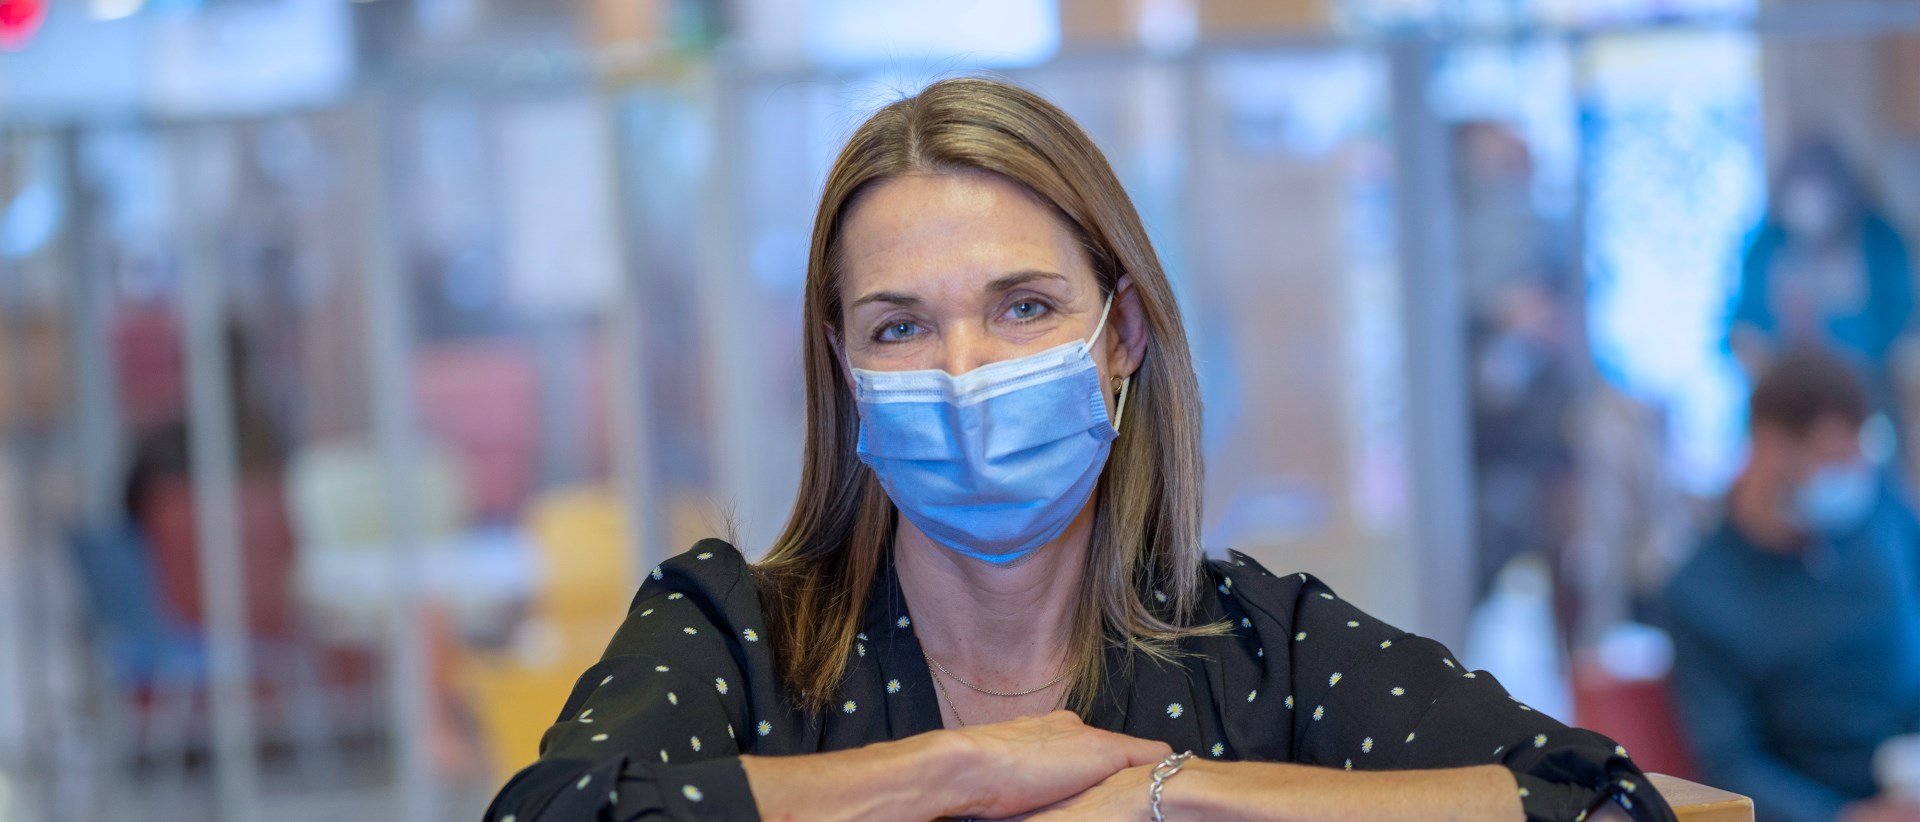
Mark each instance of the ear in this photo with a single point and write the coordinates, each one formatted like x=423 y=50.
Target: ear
x=1127 y=333
x=839 y=354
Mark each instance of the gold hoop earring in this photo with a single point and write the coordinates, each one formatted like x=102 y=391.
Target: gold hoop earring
x=1116 y=381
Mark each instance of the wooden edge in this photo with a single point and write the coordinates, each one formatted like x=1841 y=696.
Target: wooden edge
x=1695 y=802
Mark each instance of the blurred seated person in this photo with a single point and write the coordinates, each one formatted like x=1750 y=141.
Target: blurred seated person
x=1797 y=622
x=1825 y=269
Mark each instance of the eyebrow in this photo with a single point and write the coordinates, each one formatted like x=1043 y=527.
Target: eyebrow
x=999 y=284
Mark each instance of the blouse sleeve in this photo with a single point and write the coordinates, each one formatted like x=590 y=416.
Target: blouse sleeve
x=1369 y=696
x=651 y=730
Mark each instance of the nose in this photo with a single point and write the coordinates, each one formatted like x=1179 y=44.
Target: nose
x=964 y=349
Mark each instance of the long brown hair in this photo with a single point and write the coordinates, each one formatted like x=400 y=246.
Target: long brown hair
x=815 y=578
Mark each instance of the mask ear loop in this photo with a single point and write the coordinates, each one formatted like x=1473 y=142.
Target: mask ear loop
x=1120 y=406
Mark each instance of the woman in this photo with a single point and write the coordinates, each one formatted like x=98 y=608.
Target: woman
x=998 y=517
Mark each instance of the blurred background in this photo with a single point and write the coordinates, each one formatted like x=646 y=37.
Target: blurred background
x=356 y=358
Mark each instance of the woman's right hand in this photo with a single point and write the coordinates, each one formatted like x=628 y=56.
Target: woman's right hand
x=1012 y=767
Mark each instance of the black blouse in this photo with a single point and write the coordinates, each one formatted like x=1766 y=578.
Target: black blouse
x=656 y=728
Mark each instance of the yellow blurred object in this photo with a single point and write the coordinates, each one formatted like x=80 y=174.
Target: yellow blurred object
x=580 y=535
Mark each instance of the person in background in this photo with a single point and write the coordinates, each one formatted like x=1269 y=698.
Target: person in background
x=1825 y=269
x=1796 y=624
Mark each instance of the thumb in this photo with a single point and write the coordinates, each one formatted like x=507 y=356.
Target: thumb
x=1142 y=751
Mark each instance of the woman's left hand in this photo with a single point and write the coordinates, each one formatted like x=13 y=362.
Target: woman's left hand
x=1122 y=796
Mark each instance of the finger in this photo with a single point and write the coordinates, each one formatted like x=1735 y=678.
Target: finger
x=1142 y=751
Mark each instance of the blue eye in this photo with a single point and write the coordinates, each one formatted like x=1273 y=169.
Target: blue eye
x=895 y=332
x=1027 y=310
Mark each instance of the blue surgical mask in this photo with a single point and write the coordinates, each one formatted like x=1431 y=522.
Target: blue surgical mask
x=1837 y=500
x=996 y=462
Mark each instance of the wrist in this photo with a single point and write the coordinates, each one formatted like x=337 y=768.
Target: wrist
x=1194 y=792
x=943 y=762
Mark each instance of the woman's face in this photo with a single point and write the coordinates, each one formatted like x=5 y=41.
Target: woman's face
x=956 y=270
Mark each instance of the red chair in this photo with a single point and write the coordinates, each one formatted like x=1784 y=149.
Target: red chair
x=266 y=548
x=482 y=400
x=1637 y=713
x=307 y=694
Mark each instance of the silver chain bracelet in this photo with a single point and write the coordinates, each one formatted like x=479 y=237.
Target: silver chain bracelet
x=1161 y=773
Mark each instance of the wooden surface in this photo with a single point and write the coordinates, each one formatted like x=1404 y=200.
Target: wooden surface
x=1694 y=802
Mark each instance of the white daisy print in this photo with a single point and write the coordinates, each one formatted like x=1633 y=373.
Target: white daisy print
x=763 y=728
x=1349 y=765
x=1300 y=636
x=1619 y=750
x=603 y=682
x=1366 y=745
x=848 y=707
x=1259 y=652
x=1251 y=695
x=648 y=612
x=1409 y=737
x=676 y=595
x=1333 y=680
x=689 y=630
x=582 y=784
x=893 y=686
x=1246 y=623
x=720 y=684
x=1159 y=595
x=751 y=635
x=1398 y=691
x=860 y=648
x=672 y=698
x=1540 y=740
x=1323 y=594
x=1289 y=702
x=1175 y=709
x=1385 y=644
x=903 y=622
x=704 y=555
x=1524 y=793
x=663 y=754
x=656 y=572
x=586 y=713
x=1353 y=623
x=1448 y=661
x=599 y=737
x=691 y=793
x=695 y=741
x=861 y=635
x=1223 y=588
x=1318 y=712
x=1217 y=749
x=660 y=668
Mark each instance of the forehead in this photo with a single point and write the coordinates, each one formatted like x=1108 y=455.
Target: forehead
x=947 y=229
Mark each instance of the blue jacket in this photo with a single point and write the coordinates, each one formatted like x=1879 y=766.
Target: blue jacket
x=1790 y=669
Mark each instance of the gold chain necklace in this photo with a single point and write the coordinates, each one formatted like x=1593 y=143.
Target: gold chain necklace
x=949 y=697
x=971 y=686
